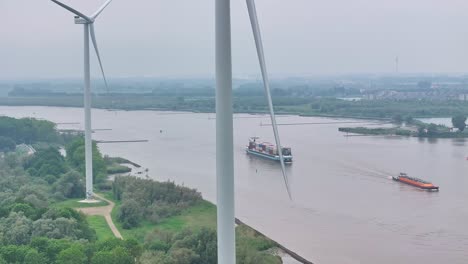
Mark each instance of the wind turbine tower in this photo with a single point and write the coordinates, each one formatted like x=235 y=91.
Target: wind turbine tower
x=224 y=125
x=88 y=25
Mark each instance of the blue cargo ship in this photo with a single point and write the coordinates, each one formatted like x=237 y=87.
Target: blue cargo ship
x=268 y=151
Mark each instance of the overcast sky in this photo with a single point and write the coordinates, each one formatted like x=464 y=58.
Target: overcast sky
x=172 y=38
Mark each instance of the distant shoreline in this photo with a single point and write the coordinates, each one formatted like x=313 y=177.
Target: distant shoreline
x=255 y=104
x=279 y=113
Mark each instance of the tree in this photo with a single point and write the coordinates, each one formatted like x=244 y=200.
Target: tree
x=13 y=253
x=431 y=129
x=117 y=256
x=459 y=121
x=15 y=229
x=409 y=120
x=76 y=156
x=7 y=144
x=183 y=256
x=34 y=257
x=51 y=248
x=70 y=185
x=72 y=255
x=130 y=214
x=57 y=228
x=398 y=119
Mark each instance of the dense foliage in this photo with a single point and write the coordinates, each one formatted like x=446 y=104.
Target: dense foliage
x=7 y=144
x=46 y=163
x=199 y=247
x=150 y=200
x=76 y=158
x=33 y=229
x=459 y=121
x=28 y=130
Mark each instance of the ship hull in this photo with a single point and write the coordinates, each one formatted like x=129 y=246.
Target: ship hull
x=287 y=159
x=415 y=184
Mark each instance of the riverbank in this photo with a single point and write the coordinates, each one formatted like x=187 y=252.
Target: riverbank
x=432 y=131
x=309 y=106
x=199 y=216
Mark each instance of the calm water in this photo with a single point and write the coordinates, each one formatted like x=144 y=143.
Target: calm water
x=346 y=209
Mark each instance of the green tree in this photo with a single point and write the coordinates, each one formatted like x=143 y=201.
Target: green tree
x=398 y=119
x=459 y=121
x=34 y=257
x=72 y=255
x=7 y=144
x=70 y=185
x=130 y=213
x=15 y=229
x=76 y=157
x=409 y=120
x=431 y=130
x=183 y=256
x=118 y=255
x=14 y=253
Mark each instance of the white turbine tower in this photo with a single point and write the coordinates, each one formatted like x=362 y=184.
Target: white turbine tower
x=88 y=23
x=224 y=125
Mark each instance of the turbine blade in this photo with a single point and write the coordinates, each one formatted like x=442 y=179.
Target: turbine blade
x=93 y=39
x=74 y=11
x=96 y=14
x=261 y=59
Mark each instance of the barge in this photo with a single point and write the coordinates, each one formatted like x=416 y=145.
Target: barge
x=416 y=182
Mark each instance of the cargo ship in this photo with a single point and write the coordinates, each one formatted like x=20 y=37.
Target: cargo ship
x=268 y=151
x=404 y=178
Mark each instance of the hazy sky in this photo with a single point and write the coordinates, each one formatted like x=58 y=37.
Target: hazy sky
x=39 y=39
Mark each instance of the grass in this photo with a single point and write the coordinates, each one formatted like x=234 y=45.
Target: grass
x=99 y=224
x=202 y=215
x=75 y=203
x=195 y=217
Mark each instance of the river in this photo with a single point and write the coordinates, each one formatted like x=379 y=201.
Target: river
x=345 y=208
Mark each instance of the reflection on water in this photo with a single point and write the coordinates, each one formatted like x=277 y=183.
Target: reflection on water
x=346 y=208
x=459 y=142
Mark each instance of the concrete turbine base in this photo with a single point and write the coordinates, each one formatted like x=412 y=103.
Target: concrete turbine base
x=90 y=201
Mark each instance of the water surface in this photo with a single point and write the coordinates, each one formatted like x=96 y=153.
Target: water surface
x=346 y=209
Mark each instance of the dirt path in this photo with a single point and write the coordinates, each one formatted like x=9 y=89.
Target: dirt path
x=103 y=211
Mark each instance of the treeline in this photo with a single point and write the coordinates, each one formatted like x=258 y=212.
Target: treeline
x=415 y=128
x=256 y=103
x=388 y=108
x=376 y=131
x=149 y=200
x=27 y=130
x=43 y=250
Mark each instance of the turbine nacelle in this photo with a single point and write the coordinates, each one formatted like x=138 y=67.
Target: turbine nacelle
x=81 y=21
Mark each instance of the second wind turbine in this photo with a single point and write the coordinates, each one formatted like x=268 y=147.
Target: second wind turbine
x=88 y=23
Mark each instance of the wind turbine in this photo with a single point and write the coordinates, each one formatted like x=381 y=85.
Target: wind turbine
x=88 y=23
x=224 y=125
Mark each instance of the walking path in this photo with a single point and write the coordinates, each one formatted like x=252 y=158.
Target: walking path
x=103 y=211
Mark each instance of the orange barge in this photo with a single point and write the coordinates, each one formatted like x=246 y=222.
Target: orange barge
x=404 y=178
